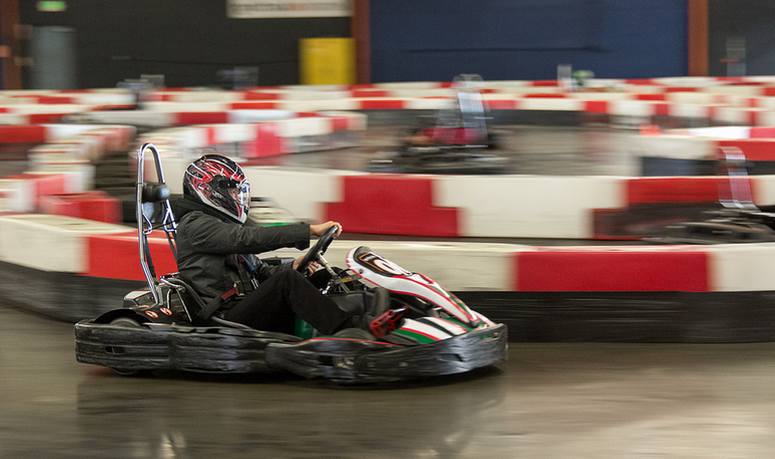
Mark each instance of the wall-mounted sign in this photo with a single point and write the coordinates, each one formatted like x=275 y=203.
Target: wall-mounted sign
x=250 y=9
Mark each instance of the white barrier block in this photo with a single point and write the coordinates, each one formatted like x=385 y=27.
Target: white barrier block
x=253 y=116
x=689 y=110
x=316 y=105
x=301 y=192
x=134 y=117
x=764 y=189
x=720 y=132
x=11 y=119
x=98 y=98
x=737 y=90
x=551 y=104
x=314 y=95
x=531 y=206
x=178 y=107
x=631 y=108
x=694 y=82
x=19 y=194
x=594 y=95
x=732 y=115
x=206 y=96
x=742 y=267
x=29 y=109
x=300 y=127
x=676 y=146
x=428 y=104
x=456 y=266
x=228 y=133
x=49 y=242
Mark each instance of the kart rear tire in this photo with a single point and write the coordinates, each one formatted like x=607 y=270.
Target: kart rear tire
x=129 y=323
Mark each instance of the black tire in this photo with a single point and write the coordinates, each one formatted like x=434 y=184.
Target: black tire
x=129 y=323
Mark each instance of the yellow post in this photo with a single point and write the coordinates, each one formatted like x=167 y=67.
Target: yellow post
x=327 y=60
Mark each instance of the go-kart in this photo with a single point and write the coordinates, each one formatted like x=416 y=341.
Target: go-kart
x=738 y=220
x=457 y=142
x=421 y=329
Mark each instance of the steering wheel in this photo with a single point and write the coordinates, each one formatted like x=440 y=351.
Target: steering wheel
x=318 y=249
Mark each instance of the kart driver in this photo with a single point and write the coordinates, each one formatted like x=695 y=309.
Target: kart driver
x=215 y=247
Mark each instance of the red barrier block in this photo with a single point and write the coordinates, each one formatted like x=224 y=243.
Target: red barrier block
x=43 y=118
x=117 y=256
x=392 y=204
x=648 y=96
x=754 y=149
x=381 y=104
x=661 y=109
x=55 y=100
x=596 y=106
x=762 y=132
x=44 y=184
x=92 y=205
x=22 y=134
x=369 y=93
x=546 y=95
x=339 y=123
x=257 y=105
x=680 y=89
x=653 y=190
x=353 y=87
x=768 y=91
x=544 y=83
x=641 y=82
x=187 y=118
x=625 y=271
x=268 y=142
x=249 y=95
x=501 y=104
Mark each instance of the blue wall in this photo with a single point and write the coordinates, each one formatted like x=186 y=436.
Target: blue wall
x=526 y=39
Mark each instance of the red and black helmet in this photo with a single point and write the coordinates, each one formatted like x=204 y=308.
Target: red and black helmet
x=220 y=183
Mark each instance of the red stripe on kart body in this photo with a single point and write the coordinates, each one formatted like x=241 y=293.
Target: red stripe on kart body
x=392 y=204
x=653 y=190
x=630 y=271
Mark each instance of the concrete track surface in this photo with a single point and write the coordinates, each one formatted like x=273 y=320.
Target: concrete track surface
x=548 y=400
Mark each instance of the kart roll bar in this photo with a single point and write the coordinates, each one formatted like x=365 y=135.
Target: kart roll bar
x=470 y=110
x=147 y=195
x=736 y=192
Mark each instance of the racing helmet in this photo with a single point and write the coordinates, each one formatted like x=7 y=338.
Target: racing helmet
x=220 y=183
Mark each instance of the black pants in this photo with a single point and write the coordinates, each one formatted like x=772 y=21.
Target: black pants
x=285 y=295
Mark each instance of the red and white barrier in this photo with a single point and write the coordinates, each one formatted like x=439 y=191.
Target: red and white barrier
x=65 y=244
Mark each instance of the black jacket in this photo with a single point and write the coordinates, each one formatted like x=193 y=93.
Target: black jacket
x=209 y=244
